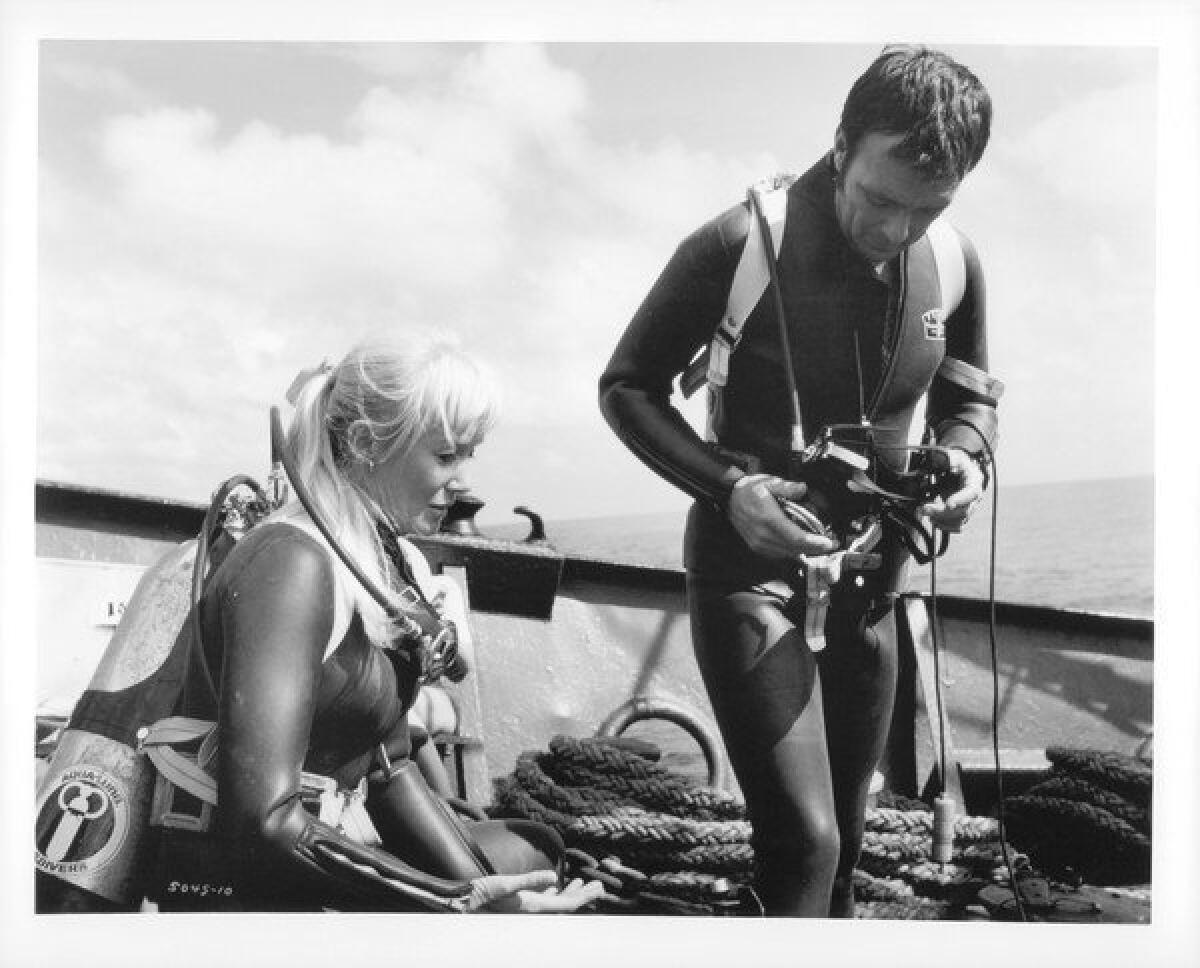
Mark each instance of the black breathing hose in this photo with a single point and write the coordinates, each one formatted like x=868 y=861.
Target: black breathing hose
x=764 y=229
x=281 y=453
x=200 y=566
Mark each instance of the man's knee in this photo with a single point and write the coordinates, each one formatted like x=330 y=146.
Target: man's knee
x=807 y=840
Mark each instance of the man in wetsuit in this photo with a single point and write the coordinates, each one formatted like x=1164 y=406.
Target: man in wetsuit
x=873 y=337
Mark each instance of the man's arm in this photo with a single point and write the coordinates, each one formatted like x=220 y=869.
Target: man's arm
x=677 y=319
x=962 y=410
x=963 y=401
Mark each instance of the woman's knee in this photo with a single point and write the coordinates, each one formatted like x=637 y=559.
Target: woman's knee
x=518 y=846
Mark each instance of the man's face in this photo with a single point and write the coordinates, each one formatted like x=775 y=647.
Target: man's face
x=883 y=204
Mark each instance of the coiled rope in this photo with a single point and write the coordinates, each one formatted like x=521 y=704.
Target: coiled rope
x=663 y=844
x=1089 y=820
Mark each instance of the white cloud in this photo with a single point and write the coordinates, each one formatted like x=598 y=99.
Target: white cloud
x=405 y=61
x=97 y=81
x=223 y=261
x=202 y=265
x=1095 y=152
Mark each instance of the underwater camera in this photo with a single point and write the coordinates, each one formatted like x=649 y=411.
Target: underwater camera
x=848 y=482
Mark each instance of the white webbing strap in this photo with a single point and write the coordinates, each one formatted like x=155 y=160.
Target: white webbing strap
x=181 y=770
x=750 y=281
x=951 y=267
x=950 y=262
x=822 y=572
x=343 y=810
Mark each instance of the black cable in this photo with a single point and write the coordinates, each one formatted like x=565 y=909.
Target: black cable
x=458 y=665
x=995 y=661
x=279 y=446
x=937 y=674
x=764 y=230
x=994 y=650
x=858 y=373
x=200 y=566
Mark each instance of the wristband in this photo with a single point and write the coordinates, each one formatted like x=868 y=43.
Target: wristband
x=750 y=479
x=984 y=465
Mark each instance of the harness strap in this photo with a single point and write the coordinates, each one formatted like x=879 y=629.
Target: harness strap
x=971 y=378
x=822 y=572
x=950 y=261
x=343 y=810
x=752 y=276
x=183 y=771
x=750 y=281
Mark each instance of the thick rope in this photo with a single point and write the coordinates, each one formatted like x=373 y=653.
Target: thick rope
x=663 y=844
x=621 y=827
x=1123 y=774
x=892 y=820
x=1090 y=819
x=670 y=795
x=1073 y=839
x=660 y=842
x=1066 y=787
x=909 y=909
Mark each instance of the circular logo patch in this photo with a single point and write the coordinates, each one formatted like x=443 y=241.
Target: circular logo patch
x=82 y=821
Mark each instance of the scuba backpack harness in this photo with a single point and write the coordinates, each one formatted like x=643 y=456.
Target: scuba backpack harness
x=755 y=274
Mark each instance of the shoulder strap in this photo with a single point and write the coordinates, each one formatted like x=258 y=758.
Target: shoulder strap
x=950 y=262
x=750 y=281
x=343 y=594
x=951 y=267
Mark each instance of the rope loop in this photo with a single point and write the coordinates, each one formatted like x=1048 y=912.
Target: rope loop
x=662 y=844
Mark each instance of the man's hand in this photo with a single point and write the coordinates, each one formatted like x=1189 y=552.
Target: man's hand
x=756 y=515
x=533 y=893
x=952 y=511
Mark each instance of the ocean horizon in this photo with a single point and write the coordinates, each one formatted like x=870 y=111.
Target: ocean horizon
x=1057 y=544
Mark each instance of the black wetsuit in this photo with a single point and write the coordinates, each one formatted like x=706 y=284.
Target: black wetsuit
x=267 y=616
x=803 y=755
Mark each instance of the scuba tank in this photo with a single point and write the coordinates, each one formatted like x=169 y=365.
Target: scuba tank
x=92 y=835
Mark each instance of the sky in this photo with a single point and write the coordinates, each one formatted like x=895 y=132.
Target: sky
x=215 y=216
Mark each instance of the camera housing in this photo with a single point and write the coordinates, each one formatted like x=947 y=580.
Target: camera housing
x=847 y=482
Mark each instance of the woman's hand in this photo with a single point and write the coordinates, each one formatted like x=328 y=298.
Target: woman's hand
x=536 y=892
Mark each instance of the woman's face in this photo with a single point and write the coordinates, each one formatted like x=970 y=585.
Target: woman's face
x=417 y=488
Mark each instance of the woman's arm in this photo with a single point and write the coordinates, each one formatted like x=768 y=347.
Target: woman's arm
x=276 y=614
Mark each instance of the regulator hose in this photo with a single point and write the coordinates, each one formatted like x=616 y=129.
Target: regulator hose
x=457 y=667
x=200 y=566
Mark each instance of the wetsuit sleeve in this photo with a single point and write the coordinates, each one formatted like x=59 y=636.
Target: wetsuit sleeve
x=678 y=317
x=956 y=409
x=276 y=615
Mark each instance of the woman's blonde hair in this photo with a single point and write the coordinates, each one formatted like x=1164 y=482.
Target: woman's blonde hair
x=377 y=403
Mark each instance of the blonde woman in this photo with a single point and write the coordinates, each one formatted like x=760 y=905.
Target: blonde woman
x=310 y=684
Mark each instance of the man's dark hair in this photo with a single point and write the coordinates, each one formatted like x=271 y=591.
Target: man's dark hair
x=942 y=109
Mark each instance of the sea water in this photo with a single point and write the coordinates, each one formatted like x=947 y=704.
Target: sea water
x=1085 y=545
